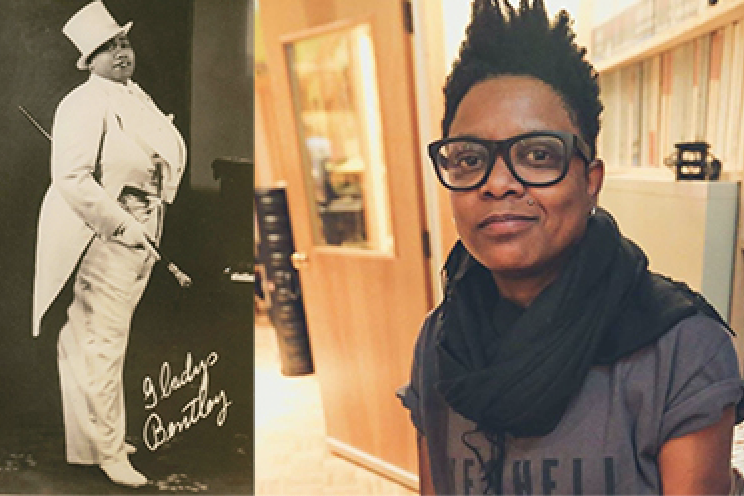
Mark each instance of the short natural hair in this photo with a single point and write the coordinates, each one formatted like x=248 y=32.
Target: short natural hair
x=506 y=41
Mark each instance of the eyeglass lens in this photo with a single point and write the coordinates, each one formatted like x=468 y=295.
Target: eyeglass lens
x=533 y=159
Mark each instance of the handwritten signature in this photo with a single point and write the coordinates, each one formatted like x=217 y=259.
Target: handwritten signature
x=155 y=431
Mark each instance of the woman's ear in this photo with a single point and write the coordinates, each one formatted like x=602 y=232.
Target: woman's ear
x=595 y=178
x=91 y=62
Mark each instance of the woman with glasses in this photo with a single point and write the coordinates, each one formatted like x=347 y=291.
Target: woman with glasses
x=557 y=362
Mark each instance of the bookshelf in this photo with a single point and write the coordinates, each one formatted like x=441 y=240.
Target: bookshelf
x=689 y=57
x=611 y=48
x=679 y=85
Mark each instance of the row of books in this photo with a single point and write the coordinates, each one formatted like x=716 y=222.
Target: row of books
x=640 y=21
x=692 y=92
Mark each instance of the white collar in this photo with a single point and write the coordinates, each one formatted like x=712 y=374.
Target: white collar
x=111 y=85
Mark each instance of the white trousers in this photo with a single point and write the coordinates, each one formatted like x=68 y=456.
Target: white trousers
x=107 y=288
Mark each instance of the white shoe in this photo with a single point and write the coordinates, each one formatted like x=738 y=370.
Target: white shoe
x=123 y=473
x=130 y=449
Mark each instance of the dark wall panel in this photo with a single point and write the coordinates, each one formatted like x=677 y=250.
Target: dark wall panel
x=222 y=86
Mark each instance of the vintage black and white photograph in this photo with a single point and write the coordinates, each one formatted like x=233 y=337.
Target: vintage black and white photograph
x=126 y=219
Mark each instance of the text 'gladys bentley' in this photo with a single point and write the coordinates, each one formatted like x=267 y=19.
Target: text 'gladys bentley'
x=156 y=432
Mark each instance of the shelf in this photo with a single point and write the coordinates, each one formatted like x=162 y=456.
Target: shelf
x=710 y=19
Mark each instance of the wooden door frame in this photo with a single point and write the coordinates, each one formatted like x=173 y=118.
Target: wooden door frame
x=430 y=72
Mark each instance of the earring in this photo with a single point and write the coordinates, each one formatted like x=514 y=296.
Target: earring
x=593 y=211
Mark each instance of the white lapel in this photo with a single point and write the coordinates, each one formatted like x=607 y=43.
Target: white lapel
x=145 y=124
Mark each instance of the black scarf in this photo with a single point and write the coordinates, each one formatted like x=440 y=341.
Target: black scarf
x=604 y=305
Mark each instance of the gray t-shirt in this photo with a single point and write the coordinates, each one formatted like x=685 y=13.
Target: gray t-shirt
x=608 y=440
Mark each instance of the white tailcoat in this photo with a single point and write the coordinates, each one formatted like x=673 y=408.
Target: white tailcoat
x=103 y=138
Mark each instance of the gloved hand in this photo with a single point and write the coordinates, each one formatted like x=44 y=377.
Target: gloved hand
x=131 y=233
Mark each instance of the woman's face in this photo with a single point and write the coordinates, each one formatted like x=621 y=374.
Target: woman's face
x=115 y=60
x=514 y=230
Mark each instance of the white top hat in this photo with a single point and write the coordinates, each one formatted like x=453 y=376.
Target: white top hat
x=91 y=27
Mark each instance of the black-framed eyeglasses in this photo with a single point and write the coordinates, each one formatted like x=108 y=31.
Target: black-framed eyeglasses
x=538 y=158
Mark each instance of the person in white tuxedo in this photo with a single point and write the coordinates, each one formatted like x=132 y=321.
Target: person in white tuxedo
x=116 y=162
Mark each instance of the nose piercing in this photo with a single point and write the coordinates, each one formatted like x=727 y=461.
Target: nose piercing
x=530 y=202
